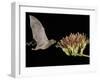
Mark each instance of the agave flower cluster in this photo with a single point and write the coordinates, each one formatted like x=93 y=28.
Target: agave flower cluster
x=74 y=44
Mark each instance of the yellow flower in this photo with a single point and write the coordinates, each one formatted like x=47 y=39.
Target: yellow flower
x=74 y=44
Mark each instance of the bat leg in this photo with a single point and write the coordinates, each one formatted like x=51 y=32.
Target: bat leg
x=43 y=47
x=38 y=48
x=34 y=49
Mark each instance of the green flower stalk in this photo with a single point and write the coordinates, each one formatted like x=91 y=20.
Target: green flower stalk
x=74 y=44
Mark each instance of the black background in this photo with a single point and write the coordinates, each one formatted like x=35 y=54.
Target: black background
x=56 y=26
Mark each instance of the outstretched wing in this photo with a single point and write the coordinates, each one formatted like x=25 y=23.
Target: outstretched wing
x=38 y=33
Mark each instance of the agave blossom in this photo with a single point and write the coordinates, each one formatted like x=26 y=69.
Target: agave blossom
x=74 y=44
